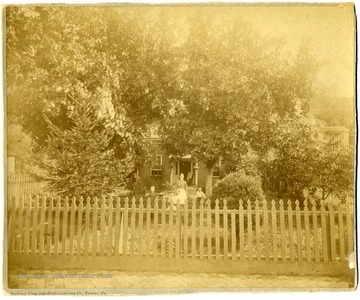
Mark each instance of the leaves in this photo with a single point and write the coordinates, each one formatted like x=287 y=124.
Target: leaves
x=212 y=86
x=79 y=161
x=238 y=186
x=236 y=91
x=334 y=172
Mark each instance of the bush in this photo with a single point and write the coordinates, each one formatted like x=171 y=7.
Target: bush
x=168 y=187
x=138 y=187
x=238 y=186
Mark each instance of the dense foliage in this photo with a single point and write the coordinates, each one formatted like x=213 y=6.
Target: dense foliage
x=216 y=90
x=291 y=159
x=121 y=57
x=78 y=161
x=238 y=186
x=236 y=92
x=334 y=173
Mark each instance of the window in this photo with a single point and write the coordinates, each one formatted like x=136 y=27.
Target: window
x=156 y=167
x=335 y=141
x=177 y=167
x=216 y=170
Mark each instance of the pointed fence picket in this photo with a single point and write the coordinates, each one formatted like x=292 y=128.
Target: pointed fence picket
x=19 y=185
x=279 y=232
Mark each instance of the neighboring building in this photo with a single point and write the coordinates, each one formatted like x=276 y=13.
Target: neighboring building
x=10 y=164
x=166 y=168
x=333 y=136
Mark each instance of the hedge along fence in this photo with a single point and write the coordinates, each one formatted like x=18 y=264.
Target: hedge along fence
x=113 y=227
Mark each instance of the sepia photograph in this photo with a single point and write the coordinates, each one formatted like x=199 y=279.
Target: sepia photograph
x=179 y=148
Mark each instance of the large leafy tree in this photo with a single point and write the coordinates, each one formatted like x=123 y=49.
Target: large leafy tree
x=299 y=161
x=334 y=172
x=216 y=88
x=236 y=90
x=121 y=56
x=291 y=158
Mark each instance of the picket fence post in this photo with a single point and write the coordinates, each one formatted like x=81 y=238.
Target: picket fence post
x=291 y=230
x=282 y=230
x=125 y=227
x=57 y=221
x=140 y=227
x=332 y=232
x=186 y=224
x=217 y=225
x=266 y=230
x=163 y=228
x=118 y=229
x=72 y=226
x=50 y=226
x=102 y=226
x=274 y=230
x=225 y=230
x=156 y=227
x=87 y=227
x=148 y=220
x=109 y=247
x=298 y=231
x=233 y=235
x=241 y=229
x=42 y=200
x=257 y=230
x=20 y=228
x=307 y=231
x=315 y=231
x=201 y=220
x=341 y=233
x=64 y=227
x=209 y=234
x=133 y=216
x=95 y=226
x=193 y=230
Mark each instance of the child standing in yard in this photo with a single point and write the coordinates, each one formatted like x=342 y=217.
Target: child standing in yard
x=199 y=195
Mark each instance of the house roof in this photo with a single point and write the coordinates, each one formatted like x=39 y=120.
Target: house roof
x=332 y=129
x=185 y=157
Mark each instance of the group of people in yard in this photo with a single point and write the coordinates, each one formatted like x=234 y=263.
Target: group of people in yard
x=181 y=186
x=182 y=191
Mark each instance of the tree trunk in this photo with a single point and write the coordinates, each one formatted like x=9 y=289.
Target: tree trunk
x=208 y=187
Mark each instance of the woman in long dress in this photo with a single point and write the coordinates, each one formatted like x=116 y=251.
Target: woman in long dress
x=181 y=186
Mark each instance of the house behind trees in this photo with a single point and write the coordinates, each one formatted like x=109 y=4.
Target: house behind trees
x=165 y=167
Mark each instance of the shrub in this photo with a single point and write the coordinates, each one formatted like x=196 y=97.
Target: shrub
x=138 y=187
x=168 y=187
x=238 y=186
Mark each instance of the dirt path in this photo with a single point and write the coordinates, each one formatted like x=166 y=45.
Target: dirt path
x=127 y=282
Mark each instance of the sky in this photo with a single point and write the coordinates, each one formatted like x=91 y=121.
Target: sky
x=329 y=29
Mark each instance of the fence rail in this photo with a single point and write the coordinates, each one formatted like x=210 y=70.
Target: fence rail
x=23 y=184
x=43 y=226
